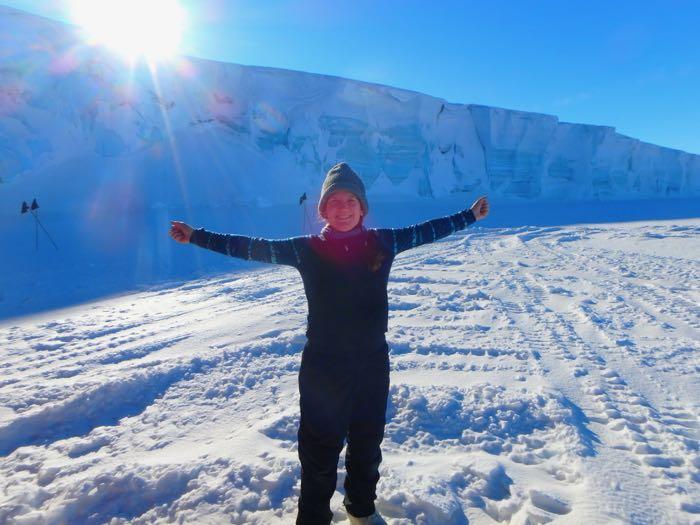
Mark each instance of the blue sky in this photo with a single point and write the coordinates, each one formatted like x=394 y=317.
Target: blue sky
x=631 y=65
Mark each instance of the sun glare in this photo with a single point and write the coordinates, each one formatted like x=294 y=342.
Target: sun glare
x=133 y=28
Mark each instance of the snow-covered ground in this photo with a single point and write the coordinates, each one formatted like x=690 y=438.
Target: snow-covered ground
x=544 y=362
x=539 y=374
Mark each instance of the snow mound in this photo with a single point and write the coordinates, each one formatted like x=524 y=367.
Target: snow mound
x=530 y=427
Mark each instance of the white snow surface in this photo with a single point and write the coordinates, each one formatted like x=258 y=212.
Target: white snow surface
x=538 y=375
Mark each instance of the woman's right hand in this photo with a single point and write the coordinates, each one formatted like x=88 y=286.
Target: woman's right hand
x=480 y=208
x=180 y=231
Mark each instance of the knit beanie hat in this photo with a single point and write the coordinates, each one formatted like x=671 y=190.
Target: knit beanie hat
x=341 y=177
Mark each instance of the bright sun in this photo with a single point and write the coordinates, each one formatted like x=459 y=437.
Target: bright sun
x=133 y=28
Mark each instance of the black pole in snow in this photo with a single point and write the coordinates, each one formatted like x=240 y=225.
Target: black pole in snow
x=302 y=200
x=42 y=227
x=31 y=209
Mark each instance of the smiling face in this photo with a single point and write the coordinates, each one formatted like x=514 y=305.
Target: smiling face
x=343 y=211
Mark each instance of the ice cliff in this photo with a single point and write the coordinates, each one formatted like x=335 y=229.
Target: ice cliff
x=78 y=122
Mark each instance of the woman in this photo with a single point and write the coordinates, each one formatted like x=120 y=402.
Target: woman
x=344 y=373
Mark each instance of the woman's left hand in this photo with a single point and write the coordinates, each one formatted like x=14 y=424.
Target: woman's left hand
x=480 y=208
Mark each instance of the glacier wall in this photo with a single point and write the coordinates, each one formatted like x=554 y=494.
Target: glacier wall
x=79 y=124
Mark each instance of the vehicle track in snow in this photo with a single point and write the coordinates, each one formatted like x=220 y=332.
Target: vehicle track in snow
x=651 y=444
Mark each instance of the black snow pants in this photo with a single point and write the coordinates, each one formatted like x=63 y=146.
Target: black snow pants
x=344 y=388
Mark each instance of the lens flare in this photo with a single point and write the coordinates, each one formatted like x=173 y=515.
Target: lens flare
x=133 y=28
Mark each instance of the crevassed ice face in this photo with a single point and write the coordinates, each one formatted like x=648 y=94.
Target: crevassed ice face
x=343 y=210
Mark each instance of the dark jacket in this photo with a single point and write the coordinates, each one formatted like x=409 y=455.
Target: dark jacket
x=345 y=276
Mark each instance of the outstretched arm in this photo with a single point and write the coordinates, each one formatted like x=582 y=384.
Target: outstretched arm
x=402 y=239
x=279 y=251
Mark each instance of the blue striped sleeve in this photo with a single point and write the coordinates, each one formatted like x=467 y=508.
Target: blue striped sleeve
x=402 y=239
x=277 y=251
